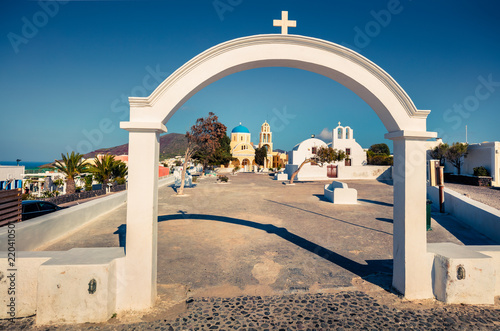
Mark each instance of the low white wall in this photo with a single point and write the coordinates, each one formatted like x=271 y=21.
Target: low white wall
x=366 y=172
x=35 y=233
x=309 y=172
x=481 y=217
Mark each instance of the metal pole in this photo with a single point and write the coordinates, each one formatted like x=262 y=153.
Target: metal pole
x=441 y=189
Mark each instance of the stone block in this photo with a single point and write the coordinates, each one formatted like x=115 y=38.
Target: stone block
x=461 y=275
x=281 y=176
x=494 y=252
x=78 y=286
x=22 y=281
x=339 y=193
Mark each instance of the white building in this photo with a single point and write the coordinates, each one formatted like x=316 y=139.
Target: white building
x=485 y=154
x=11 y=177
x=343 y=139
x=354 y=167
x=309 y=171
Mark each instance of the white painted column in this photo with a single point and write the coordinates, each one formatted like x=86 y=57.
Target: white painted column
x=137 y=288
x=412 y=264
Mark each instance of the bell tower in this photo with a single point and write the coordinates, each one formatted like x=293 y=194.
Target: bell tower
x=266 y=137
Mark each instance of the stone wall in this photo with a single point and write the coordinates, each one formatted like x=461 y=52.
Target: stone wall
x=468 y=180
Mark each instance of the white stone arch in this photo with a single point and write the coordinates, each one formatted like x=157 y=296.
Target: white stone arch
x=405 y=124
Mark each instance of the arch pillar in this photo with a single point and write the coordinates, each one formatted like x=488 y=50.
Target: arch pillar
x=137 y=286
x=412 y=264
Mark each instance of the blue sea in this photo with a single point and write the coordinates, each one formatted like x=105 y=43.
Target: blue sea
x=27 y=165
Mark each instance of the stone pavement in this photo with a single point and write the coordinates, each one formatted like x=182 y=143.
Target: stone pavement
x=257 y=239
x=345 y=310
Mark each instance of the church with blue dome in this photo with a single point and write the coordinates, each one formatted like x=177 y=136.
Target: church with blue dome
x=243 y=149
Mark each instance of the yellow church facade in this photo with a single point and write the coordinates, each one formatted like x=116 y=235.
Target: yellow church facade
x=243 y=150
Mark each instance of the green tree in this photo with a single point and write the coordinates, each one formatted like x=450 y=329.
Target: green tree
x=71 y=165
x=107 y=169
x=455 y=154
x=103 y=169
x=222 y=155
x=260 y=155
x=380 y=149
x=204 y=135
x=323 y=155
x=119 y=172
x=88 y=182
x=58 y=182
x=439 y=152
x=379 y=154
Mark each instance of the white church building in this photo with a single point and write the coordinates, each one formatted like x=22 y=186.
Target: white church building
x=354 y=167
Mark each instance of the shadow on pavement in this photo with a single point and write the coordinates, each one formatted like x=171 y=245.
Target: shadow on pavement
x=333 y=218
x=377 y=202
x=362 y=270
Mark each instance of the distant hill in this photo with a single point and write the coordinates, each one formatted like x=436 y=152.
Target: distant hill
x=171 y=144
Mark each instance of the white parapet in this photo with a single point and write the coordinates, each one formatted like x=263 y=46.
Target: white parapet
x=462 y=275
x=78 y=286
x=18 y=282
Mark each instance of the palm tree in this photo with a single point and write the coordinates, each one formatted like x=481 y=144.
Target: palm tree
x=103 y=168
x=72 y=165
x=119 y=171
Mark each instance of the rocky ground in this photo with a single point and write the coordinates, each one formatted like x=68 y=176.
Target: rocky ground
x=488 y=195
x=344 y=310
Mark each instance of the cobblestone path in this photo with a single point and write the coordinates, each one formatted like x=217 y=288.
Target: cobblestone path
x=344 y=310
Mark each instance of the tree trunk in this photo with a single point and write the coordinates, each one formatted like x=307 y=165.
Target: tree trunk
x=297 y=171
x=183 y=173
x=70 y=185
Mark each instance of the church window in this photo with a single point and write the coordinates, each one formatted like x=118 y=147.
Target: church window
x=348 y=151
x=347 y=133
x=241 y=138
x=314 y=151
x=339 y=134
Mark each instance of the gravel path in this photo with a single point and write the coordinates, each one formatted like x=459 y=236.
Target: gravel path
x=487 y=195
x=343 y=310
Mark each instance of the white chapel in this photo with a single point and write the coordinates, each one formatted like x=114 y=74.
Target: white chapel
x=354 y=167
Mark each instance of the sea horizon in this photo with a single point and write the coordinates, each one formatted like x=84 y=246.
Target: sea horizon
x=26 y=164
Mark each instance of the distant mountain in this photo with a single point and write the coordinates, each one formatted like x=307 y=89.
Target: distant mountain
x=279 y=150
x=171 y=144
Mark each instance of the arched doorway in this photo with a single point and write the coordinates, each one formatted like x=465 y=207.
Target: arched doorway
x=245 y=164
x=406 y=126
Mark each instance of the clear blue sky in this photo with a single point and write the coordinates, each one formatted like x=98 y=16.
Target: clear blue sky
x=69 y=67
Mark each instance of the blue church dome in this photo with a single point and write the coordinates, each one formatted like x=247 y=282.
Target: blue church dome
x=240 y=129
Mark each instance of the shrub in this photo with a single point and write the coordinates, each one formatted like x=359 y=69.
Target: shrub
x=481 y=171
x=223 y=179
x=28 y=197
x=88 y=183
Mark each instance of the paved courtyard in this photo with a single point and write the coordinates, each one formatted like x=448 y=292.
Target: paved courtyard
x=254 y=253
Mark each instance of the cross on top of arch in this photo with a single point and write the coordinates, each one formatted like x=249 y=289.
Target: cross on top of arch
x=285 y=23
